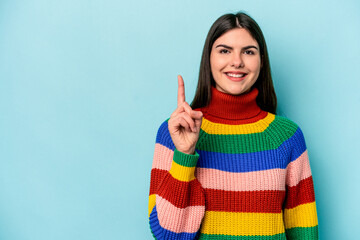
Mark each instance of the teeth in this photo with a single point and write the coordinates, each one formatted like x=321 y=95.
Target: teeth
x=235 y=75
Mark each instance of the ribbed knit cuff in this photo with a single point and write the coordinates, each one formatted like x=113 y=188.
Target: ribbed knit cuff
x=183 y=166
x=187 y=160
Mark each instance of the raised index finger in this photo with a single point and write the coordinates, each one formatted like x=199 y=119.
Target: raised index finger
x=181 y=90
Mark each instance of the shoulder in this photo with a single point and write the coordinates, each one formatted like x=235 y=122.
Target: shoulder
x=295 y=136
x=288 y=136
x=163 y=128
x=284 y=129
x=163 y=135
x=284 y=124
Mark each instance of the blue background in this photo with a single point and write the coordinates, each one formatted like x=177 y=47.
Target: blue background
x=84 y=86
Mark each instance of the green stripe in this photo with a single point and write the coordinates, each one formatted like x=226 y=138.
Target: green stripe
x=302 y=233
x=186 y=160
x=278 y=131
x=228 y=237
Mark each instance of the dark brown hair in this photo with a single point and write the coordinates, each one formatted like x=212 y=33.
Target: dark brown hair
x=266 y=98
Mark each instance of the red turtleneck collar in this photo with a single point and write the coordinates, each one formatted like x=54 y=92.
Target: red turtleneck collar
x=233 y=109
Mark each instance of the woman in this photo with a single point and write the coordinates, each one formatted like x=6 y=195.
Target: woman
x=228 y=167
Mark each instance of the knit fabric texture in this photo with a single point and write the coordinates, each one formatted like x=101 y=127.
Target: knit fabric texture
x=249 y=179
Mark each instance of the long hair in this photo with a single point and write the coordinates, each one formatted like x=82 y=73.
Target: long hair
x=266 y=98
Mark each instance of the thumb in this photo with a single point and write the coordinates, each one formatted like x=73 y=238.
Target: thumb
x=198 y=123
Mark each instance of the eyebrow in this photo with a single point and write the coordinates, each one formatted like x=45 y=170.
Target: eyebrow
x=244 y=48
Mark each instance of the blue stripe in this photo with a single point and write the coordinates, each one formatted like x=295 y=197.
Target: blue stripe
x=161 y=233
x=287 y=152
x=297 y=144
x=245 y=162
x=163 y=136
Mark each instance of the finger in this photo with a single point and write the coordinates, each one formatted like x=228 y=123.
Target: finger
x=189 y=120
x=178 y=110
x=198 y=115
x=181 y=91
x=185 y=109
x=198 y=123
x=182 y=122
x=177 y=121
x=192 y=113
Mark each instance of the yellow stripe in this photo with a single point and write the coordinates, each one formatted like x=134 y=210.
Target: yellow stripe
x=218 y=128
x=301 y=216
x=182 y=173
x=152 y=202
x=242 y=224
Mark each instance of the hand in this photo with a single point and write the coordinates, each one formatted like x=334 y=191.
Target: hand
x=184 y=123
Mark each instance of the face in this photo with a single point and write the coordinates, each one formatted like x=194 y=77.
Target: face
x=235 y=61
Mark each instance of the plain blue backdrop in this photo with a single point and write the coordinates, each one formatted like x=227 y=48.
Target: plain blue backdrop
x=84 y=86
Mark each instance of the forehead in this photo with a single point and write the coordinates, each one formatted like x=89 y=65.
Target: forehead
x=236 y=37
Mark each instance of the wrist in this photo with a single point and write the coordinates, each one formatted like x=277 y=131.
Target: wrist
x=183 y=166
x=189 y=152
x=185 y=159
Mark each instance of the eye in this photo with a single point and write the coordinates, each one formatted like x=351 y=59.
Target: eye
x=224 y=51
x=249 y=52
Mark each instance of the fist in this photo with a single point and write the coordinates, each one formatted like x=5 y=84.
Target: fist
x=184 y=123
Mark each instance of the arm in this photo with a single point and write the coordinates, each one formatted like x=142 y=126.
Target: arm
x=300 y=216
x=176 y=199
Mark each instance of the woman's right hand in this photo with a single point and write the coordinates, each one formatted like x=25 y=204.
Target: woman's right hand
x=184 y=123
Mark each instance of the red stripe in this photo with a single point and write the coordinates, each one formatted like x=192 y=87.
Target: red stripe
x=214 y=119
x=265 y=201
x=302 y=193
x=180 y=194
x=183 y=194
x=156 y=176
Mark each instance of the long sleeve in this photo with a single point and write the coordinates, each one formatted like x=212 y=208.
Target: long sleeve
x=176 y=198
x=300 y=215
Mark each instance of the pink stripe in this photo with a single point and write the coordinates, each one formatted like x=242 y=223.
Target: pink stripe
x=298 y=170
x=179 y=219
x=272 y=179
x=163 y=157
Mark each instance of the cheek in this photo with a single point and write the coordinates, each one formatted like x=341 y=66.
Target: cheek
x=254 y=65
x=213 y=66
x=217 y=63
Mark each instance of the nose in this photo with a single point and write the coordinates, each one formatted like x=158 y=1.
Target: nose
x=237 y=61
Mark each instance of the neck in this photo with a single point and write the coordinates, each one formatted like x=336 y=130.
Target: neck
x=233 y=109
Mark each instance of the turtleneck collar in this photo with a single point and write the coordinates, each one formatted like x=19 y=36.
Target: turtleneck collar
x=236 y=109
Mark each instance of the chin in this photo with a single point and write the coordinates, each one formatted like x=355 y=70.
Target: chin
x=236 y=90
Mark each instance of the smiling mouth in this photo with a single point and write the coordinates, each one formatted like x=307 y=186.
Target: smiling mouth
x=236 y=75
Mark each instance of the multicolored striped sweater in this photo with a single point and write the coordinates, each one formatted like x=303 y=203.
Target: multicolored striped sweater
x=250 y=178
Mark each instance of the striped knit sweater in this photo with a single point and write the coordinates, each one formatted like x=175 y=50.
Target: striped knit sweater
x=249 y=178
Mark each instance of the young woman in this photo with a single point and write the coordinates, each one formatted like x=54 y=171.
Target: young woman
x=228 y=167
